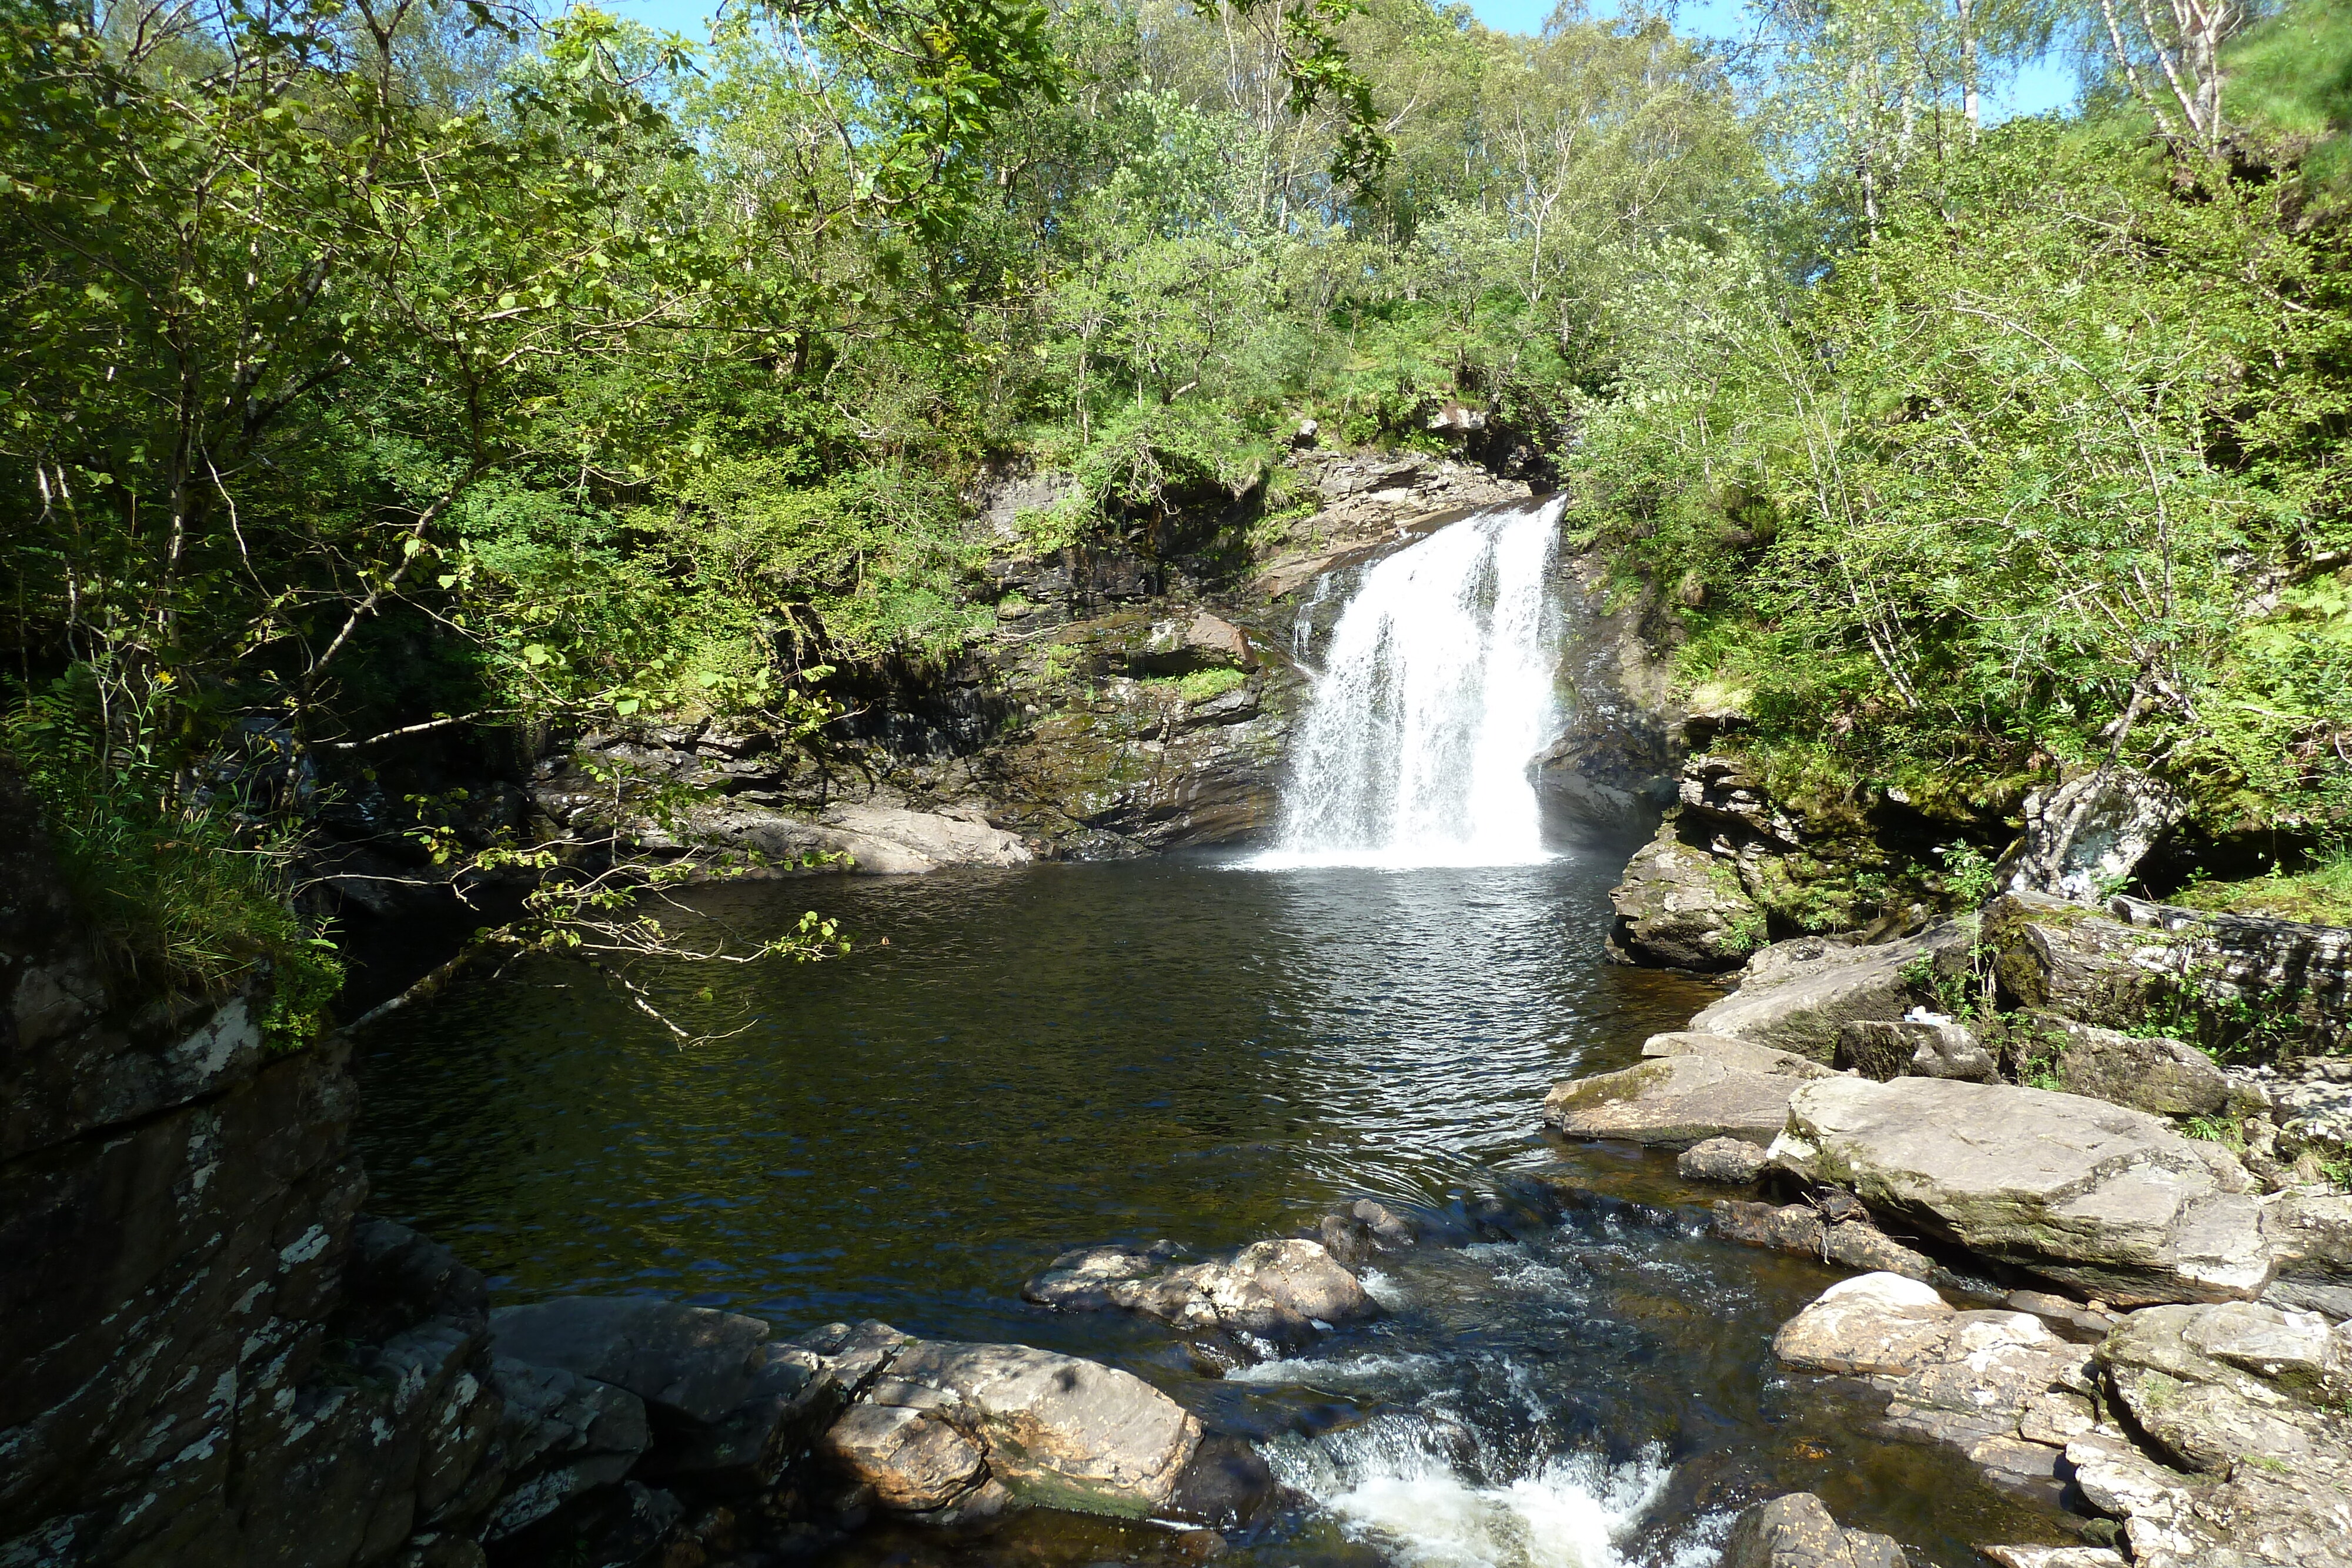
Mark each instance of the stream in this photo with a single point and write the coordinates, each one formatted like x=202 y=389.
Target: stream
x=1063 y=1055
x=1569 y=1372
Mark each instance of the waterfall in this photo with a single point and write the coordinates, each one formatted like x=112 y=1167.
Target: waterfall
x=1436 y=693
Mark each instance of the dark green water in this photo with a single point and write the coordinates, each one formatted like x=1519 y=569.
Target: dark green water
x=1065 y=1055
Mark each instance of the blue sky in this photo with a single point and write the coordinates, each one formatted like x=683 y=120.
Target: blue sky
x=2038 y=89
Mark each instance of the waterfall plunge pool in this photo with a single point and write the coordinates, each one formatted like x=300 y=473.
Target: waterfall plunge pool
x=1062 y=1055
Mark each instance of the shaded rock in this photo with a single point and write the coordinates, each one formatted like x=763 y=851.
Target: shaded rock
x=688 y=1360
x=1676 y=1101
x=563 y=1436
x=1882 y=1049
x=1800 y=1227
x=1736 y=1161
x=1798 y=1531
x=1796 y=996
x=2149 y=1073
x=1277 y=1292
x=2310 y=1233
x=2090 y=834
x=1680 y=906
x=1997 y=1384
x=2110 y=1200
x=940 y=1426
x=790 y=1400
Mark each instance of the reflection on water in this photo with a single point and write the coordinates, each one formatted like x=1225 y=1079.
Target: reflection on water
x=1064 y=1055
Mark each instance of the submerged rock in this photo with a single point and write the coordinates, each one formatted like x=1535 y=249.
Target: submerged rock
x=1798 y=1531
x=949 y=1431
x=2103 y=1198
x=1274 y=1293
x=1366 y=1228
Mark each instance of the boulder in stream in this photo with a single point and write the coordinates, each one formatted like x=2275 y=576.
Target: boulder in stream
x=1270 y=1293
x=1798 y=1531
x=1695 y=1086
x=1734 y=1162
x=948 y=1431
x=2110 y=1200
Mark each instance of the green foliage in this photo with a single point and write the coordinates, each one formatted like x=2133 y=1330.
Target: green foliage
x=1202 y=685
x=1984 y=500
x=188 y=883
x=2320 y=894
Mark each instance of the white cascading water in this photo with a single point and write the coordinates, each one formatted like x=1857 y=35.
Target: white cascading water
x=1436 y=693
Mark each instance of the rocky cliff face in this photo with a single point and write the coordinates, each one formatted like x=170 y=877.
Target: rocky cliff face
x=177 y=1201
x=1124 y=704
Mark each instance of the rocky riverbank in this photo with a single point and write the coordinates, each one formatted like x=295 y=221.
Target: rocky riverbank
x=2020 y=1107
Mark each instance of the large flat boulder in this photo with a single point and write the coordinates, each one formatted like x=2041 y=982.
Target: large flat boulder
x=1796 y=996
x=1692 y=1088
x=946 y=1431
x=2110 y=1200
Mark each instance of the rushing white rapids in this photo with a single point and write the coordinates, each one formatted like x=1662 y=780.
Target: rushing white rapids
x=1436 y=693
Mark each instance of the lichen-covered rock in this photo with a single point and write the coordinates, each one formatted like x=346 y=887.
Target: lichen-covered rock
x=947 y=1431
x=2243 y=1455
x=2226 y=978
x=1797 y=1531
x=1680 y=906
x=2148 y=1072
x=1269 y=1293
x=2110 y=1200
x=2090 y=833
x=2310 y=1235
